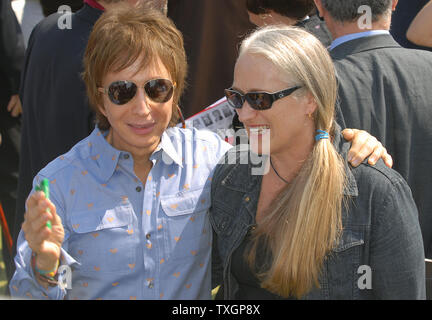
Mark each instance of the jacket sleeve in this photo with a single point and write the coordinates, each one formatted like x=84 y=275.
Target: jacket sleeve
x=217 y=268
x=217 y=264
x=11 y=46
x=397 y=254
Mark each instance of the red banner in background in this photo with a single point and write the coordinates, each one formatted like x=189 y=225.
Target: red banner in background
x=5 y=229
x=94 y=4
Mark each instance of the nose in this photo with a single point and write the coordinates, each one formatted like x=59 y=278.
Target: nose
x=141 y=104
x=246 y=113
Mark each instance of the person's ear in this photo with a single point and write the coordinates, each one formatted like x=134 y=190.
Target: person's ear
x=101 y=109
x=394 y=4
x=311 y=104
x=319 y=6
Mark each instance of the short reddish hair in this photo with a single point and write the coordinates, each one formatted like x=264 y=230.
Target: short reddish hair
x=123 y=35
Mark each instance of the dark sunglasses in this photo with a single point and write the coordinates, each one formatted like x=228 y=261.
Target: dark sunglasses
x=123 y=91
x=257 y=100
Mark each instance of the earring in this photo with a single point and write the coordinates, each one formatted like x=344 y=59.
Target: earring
x=181 y=117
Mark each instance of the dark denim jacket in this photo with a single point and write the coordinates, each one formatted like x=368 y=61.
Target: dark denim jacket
x=381 y=235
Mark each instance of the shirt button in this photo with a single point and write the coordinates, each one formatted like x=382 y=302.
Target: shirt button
x=138 y=189
x=126 y=156
x=247 y=199
x=148 y=236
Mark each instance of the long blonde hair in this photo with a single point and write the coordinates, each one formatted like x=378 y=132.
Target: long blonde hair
x=304 y=223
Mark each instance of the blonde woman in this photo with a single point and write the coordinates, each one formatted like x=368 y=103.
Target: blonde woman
x=312 y=226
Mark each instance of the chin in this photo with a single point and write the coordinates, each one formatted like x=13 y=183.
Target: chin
x=260 y=146
x=148 y=142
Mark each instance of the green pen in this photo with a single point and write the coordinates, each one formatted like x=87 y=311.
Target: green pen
x=44 y=186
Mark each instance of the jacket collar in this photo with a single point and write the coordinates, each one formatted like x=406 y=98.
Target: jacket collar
x=242 y=176
x=363 y=44
x=88 y=14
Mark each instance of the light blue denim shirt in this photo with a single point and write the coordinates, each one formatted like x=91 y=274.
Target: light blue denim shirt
x=123 y=239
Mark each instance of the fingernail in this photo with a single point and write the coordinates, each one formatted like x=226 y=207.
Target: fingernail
x=355 y=163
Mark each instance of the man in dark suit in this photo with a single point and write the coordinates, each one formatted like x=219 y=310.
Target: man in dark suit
x=11 y=61
x=386 y=90
x=299 y=13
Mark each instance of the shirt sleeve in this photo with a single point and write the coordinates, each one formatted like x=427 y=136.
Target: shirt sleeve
x=24 y=283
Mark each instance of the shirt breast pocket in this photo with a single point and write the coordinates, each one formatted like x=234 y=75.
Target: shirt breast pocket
x=102 y=239
x=185 y=222
x=222 y=219
x=343 y=265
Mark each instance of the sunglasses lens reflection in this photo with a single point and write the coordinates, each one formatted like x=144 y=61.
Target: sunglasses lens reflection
x=259 y=100
x=234 y=98
x=159 y=90
x=121 y=92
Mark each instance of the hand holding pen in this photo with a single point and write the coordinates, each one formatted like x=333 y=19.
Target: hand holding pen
x=43 y=228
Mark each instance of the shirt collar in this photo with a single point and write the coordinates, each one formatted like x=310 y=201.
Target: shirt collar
x=104 y=154
x=107 y=157
x=352 y=36
x=168 y=149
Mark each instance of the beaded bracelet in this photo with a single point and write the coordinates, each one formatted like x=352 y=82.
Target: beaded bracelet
x=52 y=282
x=44 y=276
